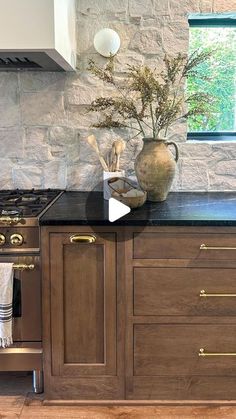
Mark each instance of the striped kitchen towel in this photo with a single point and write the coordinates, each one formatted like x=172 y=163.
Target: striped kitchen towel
x=6 y=293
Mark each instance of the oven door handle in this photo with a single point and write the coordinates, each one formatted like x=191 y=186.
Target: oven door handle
x=23 y=267
x=9 y=221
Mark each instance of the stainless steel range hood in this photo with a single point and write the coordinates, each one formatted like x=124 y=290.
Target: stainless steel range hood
x=37 y=35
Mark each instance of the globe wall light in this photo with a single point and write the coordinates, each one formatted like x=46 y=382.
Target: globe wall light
x=107 y=42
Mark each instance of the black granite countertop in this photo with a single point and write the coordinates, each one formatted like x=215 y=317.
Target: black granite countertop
x=180 y=209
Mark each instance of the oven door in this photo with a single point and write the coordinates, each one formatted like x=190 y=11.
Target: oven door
x=28 y=326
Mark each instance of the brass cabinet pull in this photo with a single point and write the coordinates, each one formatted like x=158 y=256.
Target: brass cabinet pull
x=82 y=238
x=203 y=353
x=11 y=220
x=204 y=247
x=23 y=267
x=27 y=351
x=203 y=293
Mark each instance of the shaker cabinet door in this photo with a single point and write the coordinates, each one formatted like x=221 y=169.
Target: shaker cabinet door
x=83 y=304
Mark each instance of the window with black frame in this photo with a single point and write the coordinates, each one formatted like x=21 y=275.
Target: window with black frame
x=216 y=33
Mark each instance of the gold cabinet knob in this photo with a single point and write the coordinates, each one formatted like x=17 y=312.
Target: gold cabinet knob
x=2 y=239
x=16 y=239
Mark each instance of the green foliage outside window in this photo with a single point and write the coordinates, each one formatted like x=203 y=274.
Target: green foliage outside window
x=218 y=78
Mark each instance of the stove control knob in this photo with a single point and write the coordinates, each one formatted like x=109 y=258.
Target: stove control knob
x=2 y=239
x=16 y=239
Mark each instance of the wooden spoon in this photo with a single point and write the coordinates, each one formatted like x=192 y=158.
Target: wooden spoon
x=91 y=140
x=113 y=158
x=119 y=148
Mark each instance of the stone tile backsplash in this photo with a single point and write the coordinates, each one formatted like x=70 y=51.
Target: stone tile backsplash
x=43 y=118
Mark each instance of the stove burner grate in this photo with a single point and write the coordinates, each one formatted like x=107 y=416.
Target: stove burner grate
x=25 y=203
x=11 y=211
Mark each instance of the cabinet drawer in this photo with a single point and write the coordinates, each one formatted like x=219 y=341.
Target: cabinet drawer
x=173 y=350
x=183 y=388
x=179 y=292
x=184 y=246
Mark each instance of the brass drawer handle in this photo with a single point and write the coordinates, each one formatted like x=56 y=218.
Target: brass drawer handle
x=204 y=247
x=83 y=238
x=203 y=353
x=203 y=293
x=11 y=220
x=23 y=267
x=30 y=351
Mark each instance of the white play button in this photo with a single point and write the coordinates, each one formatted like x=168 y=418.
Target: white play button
x=117 y=210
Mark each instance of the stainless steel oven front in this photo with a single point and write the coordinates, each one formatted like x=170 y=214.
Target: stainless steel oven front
x=27 y=323
x=26 y=352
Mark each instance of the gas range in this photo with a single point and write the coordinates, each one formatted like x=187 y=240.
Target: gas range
x=24 y=207
x=20 y=211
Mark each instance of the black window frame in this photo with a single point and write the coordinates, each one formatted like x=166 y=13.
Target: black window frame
x=212 y=22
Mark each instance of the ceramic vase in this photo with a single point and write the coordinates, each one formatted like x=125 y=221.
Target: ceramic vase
x=155 y=168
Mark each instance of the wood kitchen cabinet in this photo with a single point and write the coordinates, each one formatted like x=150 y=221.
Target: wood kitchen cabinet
x=81 y=335
x=152 y=317
x=181 y=314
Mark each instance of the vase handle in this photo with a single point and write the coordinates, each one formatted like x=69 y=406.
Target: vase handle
x=176 y=150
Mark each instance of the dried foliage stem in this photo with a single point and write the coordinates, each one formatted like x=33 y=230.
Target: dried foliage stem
x=148 y=101
x=153 y=122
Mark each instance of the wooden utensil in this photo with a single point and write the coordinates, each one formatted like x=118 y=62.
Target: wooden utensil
x=119 y=146
x=91 y=140
x=113 y=158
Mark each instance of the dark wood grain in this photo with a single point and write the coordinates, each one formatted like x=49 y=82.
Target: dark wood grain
x=141 y=317
x=84 y=303
x=83 y=285
x=157 y=245
x=129 y=349
x=17 y=402
x=183 y=388
x=81 y=280
x=172 y=350
x=176 y=292
x=167 y=321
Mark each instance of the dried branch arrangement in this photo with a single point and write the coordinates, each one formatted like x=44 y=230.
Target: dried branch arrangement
x=112 y=161
x=147 y=101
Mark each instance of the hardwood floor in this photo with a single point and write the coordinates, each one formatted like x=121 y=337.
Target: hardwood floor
x=17 y=401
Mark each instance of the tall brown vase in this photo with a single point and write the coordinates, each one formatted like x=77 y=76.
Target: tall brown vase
x=155 y=168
